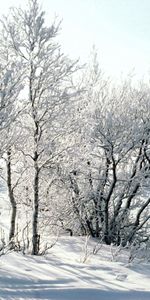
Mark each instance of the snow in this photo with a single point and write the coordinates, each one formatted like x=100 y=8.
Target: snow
x=61 y=274
x=70 y=271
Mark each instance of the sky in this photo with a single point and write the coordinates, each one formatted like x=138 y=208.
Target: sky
x=119 y=29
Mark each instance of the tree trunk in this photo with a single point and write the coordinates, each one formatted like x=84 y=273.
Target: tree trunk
x=106 y=226
x=11 y=197
x=35 y=236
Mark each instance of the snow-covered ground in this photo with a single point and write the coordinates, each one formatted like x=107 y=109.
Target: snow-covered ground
x=71 y=272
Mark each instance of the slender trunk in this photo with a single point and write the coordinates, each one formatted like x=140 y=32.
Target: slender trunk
x=97 y=221
x=137 y=226
x=107 y=233
x=106 y=226
x=32 y=97
x=11 y=197
x=90 y=227
x=35 y=236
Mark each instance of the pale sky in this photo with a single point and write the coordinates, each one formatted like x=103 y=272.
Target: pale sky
x=120 y=30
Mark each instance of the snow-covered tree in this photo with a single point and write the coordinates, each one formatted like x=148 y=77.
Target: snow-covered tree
x=50 y=90
x=11 y=76
x=115 y=202
x=109 y=188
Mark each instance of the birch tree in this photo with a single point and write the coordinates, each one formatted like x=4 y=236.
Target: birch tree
x=10 y=87
x=50 y=89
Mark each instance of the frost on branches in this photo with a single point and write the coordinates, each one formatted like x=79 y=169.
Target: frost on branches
x=76 y=146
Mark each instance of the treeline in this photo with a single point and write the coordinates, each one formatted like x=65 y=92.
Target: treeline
x=76 y=146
